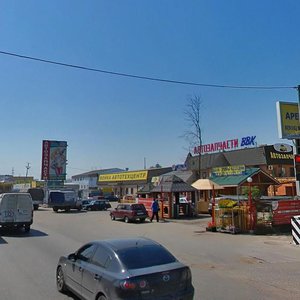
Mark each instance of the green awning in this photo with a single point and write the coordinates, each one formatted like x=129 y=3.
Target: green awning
x=237 y=180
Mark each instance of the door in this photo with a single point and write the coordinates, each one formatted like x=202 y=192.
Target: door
x=9 y=208
x=24 y=208
x=93 y=275
x=75 y=268
x=119 y=211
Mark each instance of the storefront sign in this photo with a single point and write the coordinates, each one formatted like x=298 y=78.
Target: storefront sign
x=124 y=176
x=228 y=170
x=288 y=120
x=279 y=154
x=247 y=141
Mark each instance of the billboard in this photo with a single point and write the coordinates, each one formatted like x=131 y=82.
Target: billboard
x=288 y=120
x=54 y=160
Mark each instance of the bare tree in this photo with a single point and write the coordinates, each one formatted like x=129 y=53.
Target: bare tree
x=194 y=134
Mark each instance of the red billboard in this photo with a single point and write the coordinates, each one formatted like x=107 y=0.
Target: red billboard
x=54 y=160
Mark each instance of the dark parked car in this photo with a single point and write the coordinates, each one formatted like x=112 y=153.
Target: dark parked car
x=129 y=212
x=97 y=205
x=134 y=268
x=111 y=198
x=85 y=202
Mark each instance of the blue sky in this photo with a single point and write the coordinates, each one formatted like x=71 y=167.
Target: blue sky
x=111 y=121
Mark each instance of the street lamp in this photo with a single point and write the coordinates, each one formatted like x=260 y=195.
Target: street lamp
x=249 y=180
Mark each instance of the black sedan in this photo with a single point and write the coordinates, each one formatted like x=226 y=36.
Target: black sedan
x=131 y=268
x=97 y=205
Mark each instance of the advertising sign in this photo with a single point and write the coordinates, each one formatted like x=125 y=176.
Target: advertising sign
x=247 y=141
x=54 y=160
x=288 y=120
x=229 y=170
x=124 y=176
x=279 y=154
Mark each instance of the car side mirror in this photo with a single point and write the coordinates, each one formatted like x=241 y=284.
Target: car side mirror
x=72 y=257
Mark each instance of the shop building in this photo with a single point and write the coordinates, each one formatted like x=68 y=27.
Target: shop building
x=88 y=181
x=275 y=160
x=130 y=182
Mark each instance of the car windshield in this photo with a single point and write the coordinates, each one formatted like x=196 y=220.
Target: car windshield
x=144 y=257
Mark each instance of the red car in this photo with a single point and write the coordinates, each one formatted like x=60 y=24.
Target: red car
x=129 y=212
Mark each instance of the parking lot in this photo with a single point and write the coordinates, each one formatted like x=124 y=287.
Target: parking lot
x=224 y=266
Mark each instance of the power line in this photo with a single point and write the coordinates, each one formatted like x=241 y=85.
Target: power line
x=145 y=77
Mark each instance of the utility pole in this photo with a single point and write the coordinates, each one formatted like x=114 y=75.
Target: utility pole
x=27 y=168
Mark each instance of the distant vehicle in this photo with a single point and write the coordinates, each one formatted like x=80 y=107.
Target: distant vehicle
x=129 y=212
x=128 y=199
x=132 y=268
x=37 y=195
x=16 y=211
x=85 y=202
x=95 y=195
x=97 y=205
x=64 y=200
x=183 y=200
x=111 y=198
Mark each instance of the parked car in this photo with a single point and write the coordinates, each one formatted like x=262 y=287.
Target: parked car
x=111 y=198
x=85 y=202
x=129 y=268
x=97 y=205
x=129 y=212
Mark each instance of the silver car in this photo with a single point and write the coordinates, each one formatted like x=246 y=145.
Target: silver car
x=131 y=268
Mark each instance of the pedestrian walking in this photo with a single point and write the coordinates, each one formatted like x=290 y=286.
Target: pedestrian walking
x=155 y=209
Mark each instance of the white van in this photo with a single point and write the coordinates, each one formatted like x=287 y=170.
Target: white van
x=16 y=210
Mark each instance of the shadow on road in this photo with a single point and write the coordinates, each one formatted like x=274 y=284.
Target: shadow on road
x=19 y=233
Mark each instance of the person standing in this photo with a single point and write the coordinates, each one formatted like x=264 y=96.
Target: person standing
x=155 y=210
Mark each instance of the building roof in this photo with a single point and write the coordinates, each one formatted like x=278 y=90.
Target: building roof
x=187 y=176
x=237 y=180
x=172 y=184
x=246 y=156
x=96 y=173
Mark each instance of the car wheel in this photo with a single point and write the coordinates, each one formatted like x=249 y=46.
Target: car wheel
x=112 y=217
x=126 y=219
x=55 y=209
x=101 y=297
x=142 y=220
x=27 y=228
x=60 y=280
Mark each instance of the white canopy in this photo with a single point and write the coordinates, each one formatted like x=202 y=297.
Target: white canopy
x=206 y=185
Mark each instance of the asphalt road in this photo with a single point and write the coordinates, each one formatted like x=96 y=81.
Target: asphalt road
x=224 y=266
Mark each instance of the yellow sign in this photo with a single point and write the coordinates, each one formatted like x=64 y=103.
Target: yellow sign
x=288 y=120
x=229 y=170
x=124 y=176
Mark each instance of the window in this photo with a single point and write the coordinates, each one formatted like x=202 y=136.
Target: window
x=101 y=257
x=86 y=252
x=146 y=256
